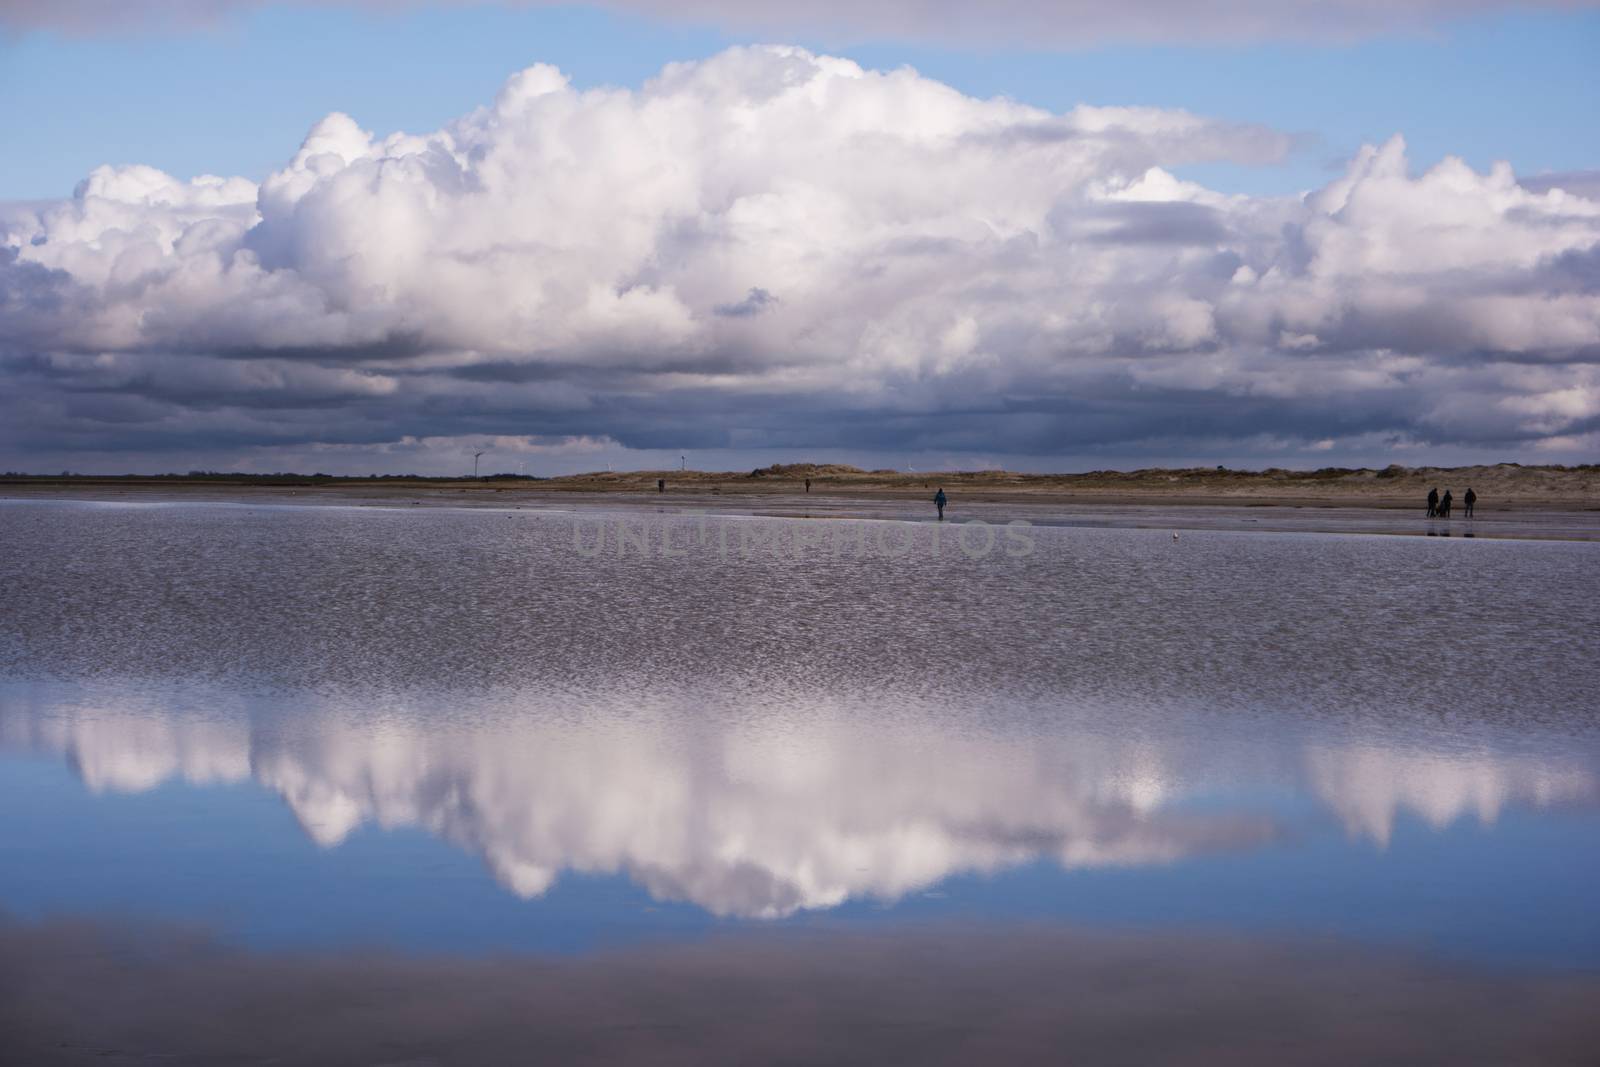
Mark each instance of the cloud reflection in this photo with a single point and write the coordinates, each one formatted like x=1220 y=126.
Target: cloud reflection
x=764 y=818
x=1367 y=786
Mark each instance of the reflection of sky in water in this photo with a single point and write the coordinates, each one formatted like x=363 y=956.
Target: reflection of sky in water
x=628 y=824
x=1381 y=737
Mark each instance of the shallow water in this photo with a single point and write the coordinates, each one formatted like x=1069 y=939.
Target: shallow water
x=480 y=731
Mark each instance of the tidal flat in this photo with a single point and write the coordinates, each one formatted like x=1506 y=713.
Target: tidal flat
x=761 y=784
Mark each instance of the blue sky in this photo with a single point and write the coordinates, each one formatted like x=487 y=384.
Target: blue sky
x=237 y=97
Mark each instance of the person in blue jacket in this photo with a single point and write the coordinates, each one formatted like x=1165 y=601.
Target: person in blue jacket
x=939 y=500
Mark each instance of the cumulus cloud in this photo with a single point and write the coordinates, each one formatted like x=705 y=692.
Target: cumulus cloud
x=1029 y=22
x=771 y=248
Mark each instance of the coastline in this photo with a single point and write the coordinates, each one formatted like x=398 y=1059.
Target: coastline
x=1525 y=516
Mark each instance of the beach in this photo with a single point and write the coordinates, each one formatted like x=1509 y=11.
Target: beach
x=292 y=743
x=1513 y=501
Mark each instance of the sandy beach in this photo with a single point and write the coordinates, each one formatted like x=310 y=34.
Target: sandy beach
x=1513 y=500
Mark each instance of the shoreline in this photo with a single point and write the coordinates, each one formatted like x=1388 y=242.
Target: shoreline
x=1539 y=519
x=1499 y=487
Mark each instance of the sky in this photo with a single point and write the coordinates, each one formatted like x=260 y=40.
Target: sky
x=362 y=237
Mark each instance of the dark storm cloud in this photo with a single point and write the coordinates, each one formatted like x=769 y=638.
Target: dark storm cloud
x=1577 y=271
x=1162 y=223
x=32 y=296
x=755 y=302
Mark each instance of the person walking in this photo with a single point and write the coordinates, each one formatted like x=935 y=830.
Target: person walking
x=1433 y=502
x=939 y=501
x=1470 y=499
x=1444 y=505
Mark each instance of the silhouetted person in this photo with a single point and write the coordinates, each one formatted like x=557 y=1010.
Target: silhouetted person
x=1444 y=505
x=1470 y=499
x=939 y=501
x=661 y=485
x=1433 y=502
x=808 y=485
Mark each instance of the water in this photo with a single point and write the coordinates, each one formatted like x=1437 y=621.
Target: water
x=480 y=731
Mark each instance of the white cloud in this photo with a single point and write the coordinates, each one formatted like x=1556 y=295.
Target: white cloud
x=1369 y=787
x=746 y=822
x=761 y=821
x=787 y=241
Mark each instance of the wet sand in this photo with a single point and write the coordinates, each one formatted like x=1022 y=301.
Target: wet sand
x=928 y=995
x=1530 y=512
x=473 y=793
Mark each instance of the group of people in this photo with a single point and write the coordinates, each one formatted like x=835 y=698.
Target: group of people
x=1439 y=507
